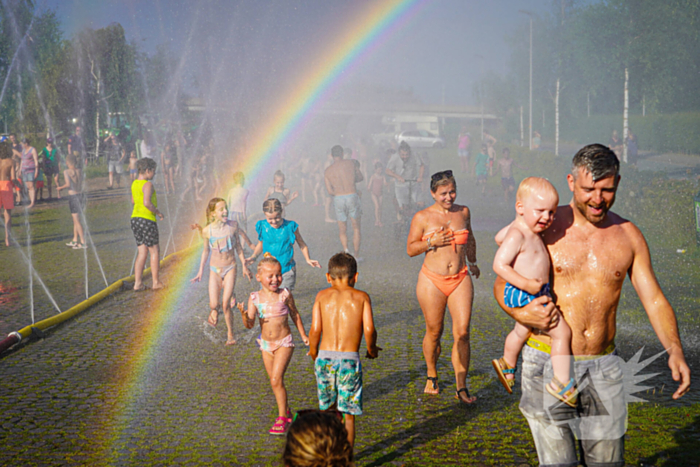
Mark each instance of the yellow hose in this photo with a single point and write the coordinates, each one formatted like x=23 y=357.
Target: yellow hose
x=87 y=303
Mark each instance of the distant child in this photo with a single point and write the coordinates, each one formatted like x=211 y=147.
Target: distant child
x=274 y=305
x=506 y=164
x=133 y=171
x=340 y=316
x=523 y=261
x=143 y=223
x=220 y=237
x=490 y=149
x=237 y=203
x=481 y=168
x=277 y=236
x=40 y=179
x=76 y=201
x=463 y=142
x=375 y=185
x=278 y=191
x=7 y=198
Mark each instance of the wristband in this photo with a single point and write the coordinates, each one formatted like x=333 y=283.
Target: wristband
x=472 y=264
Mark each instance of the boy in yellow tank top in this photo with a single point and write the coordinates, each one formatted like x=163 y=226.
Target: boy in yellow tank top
x=143 y=222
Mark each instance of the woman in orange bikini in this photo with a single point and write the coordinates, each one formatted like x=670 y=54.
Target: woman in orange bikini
x=442 y=232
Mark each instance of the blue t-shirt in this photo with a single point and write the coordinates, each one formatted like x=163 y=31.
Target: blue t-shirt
x=278 y=242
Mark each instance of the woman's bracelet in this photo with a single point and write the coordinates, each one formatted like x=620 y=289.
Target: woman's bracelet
x=429 y=245
x=472 y=263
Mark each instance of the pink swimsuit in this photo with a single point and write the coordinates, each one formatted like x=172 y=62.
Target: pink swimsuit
x=269 y=310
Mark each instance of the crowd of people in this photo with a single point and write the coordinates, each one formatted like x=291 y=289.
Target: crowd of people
x=560 y=273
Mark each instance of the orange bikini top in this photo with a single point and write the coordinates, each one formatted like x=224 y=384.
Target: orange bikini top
x=459 y=237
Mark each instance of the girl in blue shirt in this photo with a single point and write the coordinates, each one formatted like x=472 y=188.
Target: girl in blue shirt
x=277 y=236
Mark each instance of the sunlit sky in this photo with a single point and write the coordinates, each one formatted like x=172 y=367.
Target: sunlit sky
x=438 y=48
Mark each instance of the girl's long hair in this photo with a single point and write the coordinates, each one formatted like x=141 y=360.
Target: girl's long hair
x=211 y=207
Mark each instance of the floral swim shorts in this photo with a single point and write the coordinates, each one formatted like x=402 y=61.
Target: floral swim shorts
x=339 y=379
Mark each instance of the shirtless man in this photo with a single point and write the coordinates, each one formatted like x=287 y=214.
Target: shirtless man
x=442 y=232
x=341 y=177
x=592 y=250
x=7 y=201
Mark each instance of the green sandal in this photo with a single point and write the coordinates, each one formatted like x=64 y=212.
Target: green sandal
x=567 y=394
x=502 y=369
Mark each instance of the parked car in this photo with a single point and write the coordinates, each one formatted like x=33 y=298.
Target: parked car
x=420 y=139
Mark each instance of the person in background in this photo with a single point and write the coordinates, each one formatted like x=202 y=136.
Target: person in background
x=463 y=143
x=7 y=201
x=29 y=169
x=632 y=148
x=51 y=165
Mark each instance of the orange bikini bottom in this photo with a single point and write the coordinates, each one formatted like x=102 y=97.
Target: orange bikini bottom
x=446 y=284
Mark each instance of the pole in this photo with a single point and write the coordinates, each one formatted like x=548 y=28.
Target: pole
x=625 y=117
x=522 y=129
x=530 y=120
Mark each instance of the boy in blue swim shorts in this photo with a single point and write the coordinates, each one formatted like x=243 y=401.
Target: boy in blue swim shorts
x=523 y=261
x=340 y=316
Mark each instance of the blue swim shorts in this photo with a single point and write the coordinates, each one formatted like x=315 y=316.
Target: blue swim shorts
x=339 y=379
x=516 y=298
x=347 y=206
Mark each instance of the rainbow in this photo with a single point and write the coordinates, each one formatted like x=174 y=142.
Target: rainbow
x=376 y=23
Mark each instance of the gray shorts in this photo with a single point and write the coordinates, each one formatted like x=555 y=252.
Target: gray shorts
x=115 y=166
x=463 y=152
x=598 y=423
x=289 y=279
x=347 y=206
x=403 y=191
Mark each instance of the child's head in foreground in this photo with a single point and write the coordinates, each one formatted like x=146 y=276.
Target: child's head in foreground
x=317 y=439
x=342 y=266
x=536 y=202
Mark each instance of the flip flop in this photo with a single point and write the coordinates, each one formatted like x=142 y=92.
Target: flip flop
x=434 y=380
x=464 y=401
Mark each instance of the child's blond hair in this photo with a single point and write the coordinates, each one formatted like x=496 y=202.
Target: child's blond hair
x=532 y=185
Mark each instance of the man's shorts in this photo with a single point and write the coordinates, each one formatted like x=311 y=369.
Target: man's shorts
x=115 y=166
x=339 y=379
x=7 y=198
x=596 y=427
x=507 y=182
x=50 y=170
x=463 y=152
x=403 y=191
x=76 y=203
x=481 y=178
x=145 y=231
x=28 y=176
x=347 y=206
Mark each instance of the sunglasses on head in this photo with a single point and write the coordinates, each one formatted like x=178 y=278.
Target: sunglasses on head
x=441 y=175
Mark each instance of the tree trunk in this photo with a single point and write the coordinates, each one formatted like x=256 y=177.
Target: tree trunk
x=522 y=129
x=556 y=121
x=625 y=117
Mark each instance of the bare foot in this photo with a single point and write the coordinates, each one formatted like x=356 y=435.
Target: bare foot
x=431 y=386
x=330 y=221
x=7 y=242
x=231 y=341
x=157 y=285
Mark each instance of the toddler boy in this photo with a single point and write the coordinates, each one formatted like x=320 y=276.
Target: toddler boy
x=523 y=261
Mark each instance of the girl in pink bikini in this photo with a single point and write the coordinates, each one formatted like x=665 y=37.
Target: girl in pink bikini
x=274 y=306
x=220 y=237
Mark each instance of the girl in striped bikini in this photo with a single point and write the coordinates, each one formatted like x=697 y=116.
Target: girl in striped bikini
x=220 y=237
